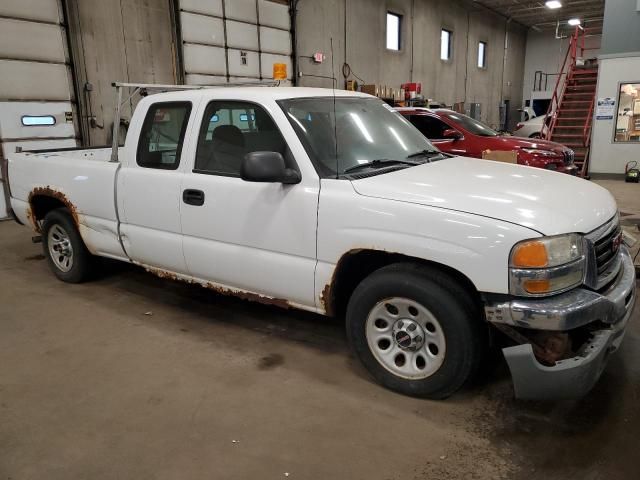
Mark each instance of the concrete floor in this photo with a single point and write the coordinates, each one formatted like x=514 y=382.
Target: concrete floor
x=130 y=376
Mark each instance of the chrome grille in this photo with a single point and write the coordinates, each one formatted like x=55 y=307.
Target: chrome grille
x=606 y=249
x=604 y=261
x=569 y=157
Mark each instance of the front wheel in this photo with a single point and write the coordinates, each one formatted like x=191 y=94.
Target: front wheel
x=416 y=330
x=63 y=247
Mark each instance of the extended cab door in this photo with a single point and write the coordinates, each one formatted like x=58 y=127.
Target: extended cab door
x=149 y=187
x=257 y=237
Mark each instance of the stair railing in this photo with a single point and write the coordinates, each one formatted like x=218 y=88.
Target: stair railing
x=586 y=138
x=586 y=132
x=566 y=71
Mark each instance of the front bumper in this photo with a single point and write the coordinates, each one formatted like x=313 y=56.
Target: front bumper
x=571 y=377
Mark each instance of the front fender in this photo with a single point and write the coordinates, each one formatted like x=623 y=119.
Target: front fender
x=476 y=246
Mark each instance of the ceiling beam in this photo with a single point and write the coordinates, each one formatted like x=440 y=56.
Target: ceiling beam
x=565 y=16
x=531 y=13
x=572 y=6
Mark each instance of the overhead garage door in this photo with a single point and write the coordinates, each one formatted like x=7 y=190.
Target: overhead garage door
x=234 y=40
x=36 y=90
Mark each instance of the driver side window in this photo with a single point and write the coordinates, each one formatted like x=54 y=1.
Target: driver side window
x=429 y=126
x=230 y=130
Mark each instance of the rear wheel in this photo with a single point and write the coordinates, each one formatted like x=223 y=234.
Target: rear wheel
x=66 y=253
x=415 y=330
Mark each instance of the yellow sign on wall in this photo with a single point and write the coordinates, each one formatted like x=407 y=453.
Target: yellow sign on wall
x=279 y=71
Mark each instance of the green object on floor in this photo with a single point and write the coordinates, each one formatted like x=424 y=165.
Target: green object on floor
x=631 y=172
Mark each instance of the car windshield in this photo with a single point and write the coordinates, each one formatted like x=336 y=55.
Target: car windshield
x=366 y=132
x=472 y=125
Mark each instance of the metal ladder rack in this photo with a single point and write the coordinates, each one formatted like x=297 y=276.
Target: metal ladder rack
x=144 y=89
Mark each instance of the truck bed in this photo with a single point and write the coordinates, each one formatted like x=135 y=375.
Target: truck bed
x=83 y=180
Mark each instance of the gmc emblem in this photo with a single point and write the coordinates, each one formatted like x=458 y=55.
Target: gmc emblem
x=616 y=242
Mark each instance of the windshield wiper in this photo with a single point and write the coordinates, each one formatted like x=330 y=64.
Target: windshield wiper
x=425 y=153
x=379 y=163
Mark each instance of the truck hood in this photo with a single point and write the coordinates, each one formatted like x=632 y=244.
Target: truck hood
x=550 y=203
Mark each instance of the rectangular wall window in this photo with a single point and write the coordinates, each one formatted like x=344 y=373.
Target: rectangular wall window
x=482 y=55
x=446 y=38
x=38 y=120
x=393 y=31
x=627 y=113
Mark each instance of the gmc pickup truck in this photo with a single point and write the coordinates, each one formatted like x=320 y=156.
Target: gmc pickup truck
x=336 y=204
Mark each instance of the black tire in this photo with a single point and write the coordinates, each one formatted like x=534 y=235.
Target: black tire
x=535 y=135
x=465 y=334
x=80 y=268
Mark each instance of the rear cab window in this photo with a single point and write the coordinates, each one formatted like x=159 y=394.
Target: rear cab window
x=162 y=135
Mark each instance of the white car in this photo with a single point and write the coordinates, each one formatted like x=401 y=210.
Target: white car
x=338 y=205
x=531 y=128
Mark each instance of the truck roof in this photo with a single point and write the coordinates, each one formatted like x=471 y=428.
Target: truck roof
x=239 y=93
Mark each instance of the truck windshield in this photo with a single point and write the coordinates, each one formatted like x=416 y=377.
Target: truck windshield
x=472 y=125
x=365 y=135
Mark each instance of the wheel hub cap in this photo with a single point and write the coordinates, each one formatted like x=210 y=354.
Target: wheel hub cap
x=60 y=248
x=405 y=338
x=408 y=335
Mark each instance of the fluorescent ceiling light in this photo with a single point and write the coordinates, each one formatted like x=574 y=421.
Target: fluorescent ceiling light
x=553 y=4
x=574 y=21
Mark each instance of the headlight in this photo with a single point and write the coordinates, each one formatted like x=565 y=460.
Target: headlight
x=546 y=265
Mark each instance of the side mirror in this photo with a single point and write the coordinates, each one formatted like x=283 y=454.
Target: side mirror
x=452 y=133
x=268 y=167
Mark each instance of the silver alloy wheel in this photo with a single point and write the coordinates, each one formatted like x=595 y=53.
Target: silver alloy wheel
x=405 y=338
x=60 y=249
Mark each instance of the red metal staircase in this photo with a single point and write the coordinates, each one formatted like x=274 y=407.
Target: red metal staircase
x=572 y=103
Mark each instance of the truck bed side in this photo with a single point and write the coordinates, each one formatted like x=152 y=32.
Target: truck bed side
x=81 y=180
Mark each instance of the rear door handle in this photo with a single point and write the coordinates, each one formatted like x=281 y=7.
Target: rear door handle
x=193 y=197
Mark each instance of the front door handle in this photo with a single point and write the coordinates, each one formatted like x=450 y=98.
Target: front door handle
x=193 y=197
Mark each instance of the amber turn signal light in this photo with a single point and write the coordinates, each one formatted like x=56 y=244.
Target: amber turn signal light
x=530 y=255
x=537 y=286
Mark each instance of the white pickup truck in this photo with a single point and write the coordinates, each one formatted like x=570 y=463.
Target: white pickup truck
x=338 y=205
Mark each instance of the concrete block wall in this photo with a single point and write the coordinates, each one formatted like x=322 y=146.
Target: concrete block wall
x=358 y=29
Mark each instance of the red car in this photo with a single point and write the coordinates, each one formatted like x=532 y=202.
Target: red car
x=459 y=134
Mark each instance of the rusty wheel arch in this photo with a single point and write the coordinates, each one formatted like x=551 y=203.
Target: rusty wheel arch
x=357 y=264
x=44 y=199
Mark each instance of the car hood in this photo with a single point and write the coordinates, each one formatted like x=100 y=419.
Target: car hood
x=508 y=142
x=548 y=202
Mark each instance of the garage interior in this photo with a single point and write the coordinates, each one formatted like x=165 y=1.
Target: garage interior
x=134 y=376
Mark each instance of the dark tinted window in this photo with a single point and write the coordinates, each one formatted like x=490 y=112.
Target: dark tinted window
x=431 y=127
x=162 y=135
x=229 y=131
